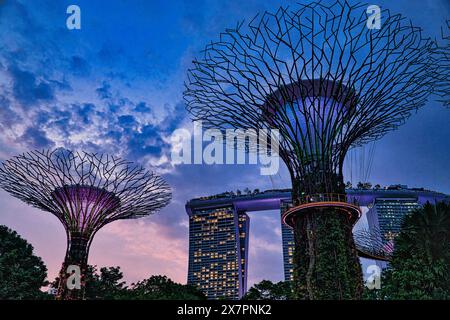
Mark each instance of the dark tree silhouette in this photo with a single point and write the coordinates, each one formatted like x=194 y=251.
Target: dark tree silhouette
x=267 y=290
x=22 y=274
x=162 y=288
x=420 y=264
x=85 y=191
x=328 y=83
x=107 y=284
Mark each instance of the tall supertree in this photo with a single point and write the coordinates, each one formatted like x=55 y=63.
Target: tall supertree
x=85 y=191
x=328 y=81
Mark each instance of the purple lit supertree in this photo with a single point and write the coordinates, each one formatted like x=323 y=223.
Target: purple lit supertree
x=85 y=191
x=328 y=81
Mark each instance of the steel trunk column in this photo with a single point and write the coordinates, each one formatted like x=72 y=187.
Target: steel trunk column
x=76 y=256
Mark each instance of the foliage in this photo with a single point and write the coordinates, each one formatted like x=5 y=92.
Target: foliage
x=364 y=185
x=108 y=285
x=162 y=288
x=22 y=274
x=267 y=290
x=325 y=261
x=104 y=285
x=421 y=261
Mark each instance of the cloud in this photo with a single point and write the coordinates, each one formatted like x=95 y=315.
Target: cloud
x=27 y=89
x=127 y=121
x=142 y=107
x=104 y=91
x=79 y=66
x=85 y=111
x=36 y=138
x=143 y=248
x=8 y=116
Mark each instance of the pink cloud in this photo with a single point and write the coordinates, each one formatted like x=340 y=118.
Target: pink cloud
x=141 y=248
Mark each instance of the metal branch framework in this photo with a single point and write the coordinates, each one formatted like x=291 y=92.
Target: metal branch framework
x=328 y=83
x=316 y=73
x=85 y=191
x=442 y=67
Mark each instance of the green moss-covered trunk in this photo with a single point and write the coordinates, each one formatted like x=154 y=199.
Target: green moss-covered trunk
x=326 y=265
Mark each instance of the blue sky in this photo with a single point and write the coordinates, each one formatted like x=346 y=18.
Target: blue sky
x=116 y=86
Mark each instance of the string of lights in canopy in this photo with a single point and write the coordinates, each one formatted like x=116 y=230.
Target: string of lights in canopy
x=85 y=191
x=317 y=73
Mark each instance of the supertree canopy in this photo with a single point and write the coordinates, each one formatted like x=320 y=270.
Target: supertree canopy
x=85 y=191
x=442 y=66
x=328 y=81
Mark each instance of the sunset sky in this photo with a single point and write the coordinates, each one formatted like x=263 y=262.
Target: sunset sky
x=116 y=86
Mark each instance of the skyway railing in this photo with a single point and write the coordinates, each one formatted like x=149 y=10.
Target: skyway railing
x=323 y=197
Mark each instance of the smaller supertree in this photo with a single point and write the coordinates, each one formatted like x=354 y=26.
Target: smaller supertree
x=85 y=191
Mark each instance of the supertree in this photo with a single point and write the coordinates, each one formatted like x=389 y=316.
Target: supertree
x=441 y=66
x=328 y=81
x=85 y=191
